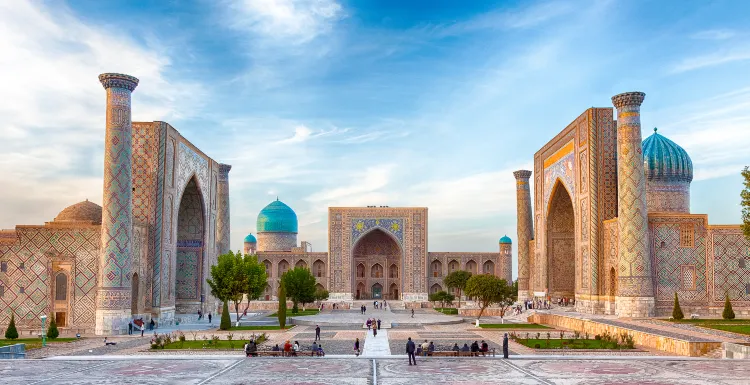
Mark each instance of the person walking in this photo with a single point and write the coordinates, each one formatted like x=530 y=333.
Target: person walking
x=505 y=345
x=410 y=348
x=374 y=332
x=209 y=318
x=130 y=327
x=378 y=323
x=317 y=332
x=412 y=313
x=356 y=347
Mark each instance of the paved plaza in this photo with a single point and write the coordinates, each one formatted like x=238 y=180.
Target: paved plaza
x=392 y=371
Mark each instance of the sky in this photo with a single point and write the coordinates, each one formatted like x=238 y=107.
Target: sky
x=355 y=103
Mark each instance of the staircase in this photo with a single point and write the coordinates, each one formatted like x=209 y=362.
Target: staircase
x=717 y=353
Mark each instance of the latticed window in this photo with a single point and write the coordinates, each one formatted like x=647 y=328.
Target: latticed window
x=22 y=290
x=61 y=287
x=687 y=235
x=688 y=277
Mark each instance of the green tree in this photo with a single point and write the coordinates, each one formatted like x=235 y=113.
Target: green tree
x=677 y=311
x=442 y=296
x=728 y=313
x=228 y=280
x=281 y=313
x=507 y=297
x=52 y=331
x=321 y=295
x=299 y=285
x=11 y=333
x=457 y=280
x=489 y=289
x=226 y=322
x=255 y=278
x=745 y=194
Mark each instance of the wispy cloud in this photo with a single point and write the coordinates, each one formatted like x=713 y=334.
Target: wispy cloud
x=725 y=56
x=714 y=34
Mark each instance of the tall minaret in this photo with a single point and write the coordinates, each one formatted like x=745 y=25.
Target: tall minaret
x=525 y=231
x=114 y=290
x=635 y=290
x=222 y=225
x=506 y=260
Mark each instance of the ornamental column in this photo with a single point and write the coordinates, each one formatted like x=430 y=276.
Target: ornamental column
x=525 y=231
x=635 y=290
x=222 y=223
x=506 y=260
x=113 y=294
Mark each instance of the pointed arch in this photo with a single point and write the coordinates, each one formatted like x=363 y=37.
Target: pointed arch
x=319 y=268
x=488 y=268
x=471 y=267
x=453 y=265
x=190 y=247
x=301 y=263
x=435 y=288
x=282 y=267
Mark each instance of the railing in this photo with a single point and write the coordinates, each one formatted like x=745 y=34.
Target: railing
x=12 y=352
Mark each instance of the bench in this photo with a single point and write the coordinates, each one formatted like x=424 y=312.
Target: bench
x=269 y=353
x=450 y=353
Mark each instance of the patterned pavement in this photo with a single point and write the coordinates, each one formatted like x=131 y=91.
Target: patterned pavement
x=350 y=371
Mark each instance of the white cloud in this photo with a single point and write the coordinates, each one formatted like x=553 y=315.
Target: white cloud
x=714 y=34
x=291 y=21
x=53 y=105
x=728 y=55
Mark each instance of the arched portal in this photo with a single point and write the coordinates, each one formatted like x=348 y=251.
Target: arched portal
x=360 y=291
x=283 y=267
x=471 y=267
x=437 y=268
x=134 y=294
x=190 y=249
x=319 y=269
x=561 y=266
x=61 y=309
x=435 y=288
x=377 y=291
x=374 y=251
x=453 y=266
x=301 y=264
x=393 y=291
x=488 y=268
x=612 y=284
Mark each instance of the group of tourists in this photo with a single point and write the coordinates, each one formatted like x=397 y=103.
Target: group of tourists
x=200 y=315
x=373 y=323
x=138 y=323
x=427 y=349
x=380 y=305
x=537 y=304
x=292 y=350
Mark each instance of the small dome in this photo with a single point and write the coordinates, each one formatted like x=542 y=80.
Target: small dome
x=277 y=217
x=505 y=239
x=250 y=239
x=666 y=161
x=82 y=212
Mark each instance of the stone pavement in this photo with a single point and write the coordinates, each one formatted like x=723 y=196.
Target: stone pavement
x=197 y=370
x=377 y=346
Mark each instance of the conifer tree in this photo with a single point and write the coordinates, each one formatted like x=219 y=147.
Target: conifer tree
x=11 y=333
x=281 y=313
x=728 y=313
x=226 y=322
x=52 y=331
x=677 y=311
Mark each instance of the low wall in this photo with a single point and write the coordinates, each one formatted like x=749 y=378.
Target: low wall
x=12 y=352
x=488 y=312
x=735 y=351
x=649 y=340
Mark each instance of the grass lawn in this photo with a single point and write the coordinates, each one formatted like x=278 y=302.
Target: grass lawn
x=447 y=310
x=34 y=343
x=513 y=326
x=260 y=327
x=740 y=329
x=568 y=343
x=715 y=321
x=300 y=313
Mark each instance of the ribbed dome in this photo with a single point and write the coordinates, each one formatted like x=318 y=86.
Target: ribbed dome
x=86 y=212
x=505 y=239
x=250 y=239
x=666 y=161
x=277 y=217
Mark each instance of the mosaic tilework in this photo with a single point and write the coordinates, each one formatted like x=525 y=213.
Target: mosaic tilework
x=561 y=170
x=361 y=226
x=668 y=196
x=729 y=246
x=187 y=279
x=669 y=259
x=159 y=230
x=635 y=264
x=525 y=229
x=377 y=249
x=222 y=222
x=190 y=233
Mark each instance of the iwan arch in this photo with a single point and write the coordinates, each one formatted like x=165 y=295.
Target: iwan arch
x=611 y=225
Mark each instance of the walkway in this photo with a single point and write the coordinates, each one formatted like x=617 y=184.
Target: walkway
x=377 y=346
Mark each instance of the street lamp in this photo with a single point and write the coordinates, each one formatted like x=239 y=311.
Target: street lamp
x=44 y=335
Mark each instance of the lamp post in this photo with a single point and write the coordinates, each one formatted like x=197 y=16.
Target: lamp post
x=44 y=335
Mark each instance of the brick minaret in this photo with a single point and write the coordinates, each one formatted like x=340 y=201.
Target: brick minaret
x=114 y=290
x=222 y=223
x=635 y=290
x=525 y=231
x=506 y=260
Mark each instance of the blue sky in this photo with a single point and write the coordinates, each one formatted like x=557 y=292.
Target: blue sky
x=354 y=103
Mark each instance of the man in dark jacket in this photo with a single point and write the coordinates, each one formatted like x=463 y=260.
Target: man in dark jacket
x=505 y=346
x=317 y=332
x=410 y=348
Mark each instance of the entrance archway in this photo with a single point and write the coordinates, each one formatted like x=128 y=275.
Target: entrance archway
x=190 y=247
x=561 y=256
x=372 y=253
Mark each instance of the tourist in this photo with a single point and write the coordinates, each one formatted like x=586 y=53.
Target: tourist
x=475 y=349
x=295 y=348
x=410 y=351
x=130 y=327
x=276 y=348
x=143 y=328
x=430 y=349
x=200 y=315
x=369 y=324
x=209 y=318
x=152 y=324
x=375 y=304
x=321 y=353
x=505 y=345
x=425 y=347
x=364 y=309
x=378 y=323
x=314 y=349
x=374 y=331
x=317 y=332
x=287 y=348
x=412 y=313
x=465 y=348
x=485 y=348
x=456 y=348
x=356 y=347
x=108 y=343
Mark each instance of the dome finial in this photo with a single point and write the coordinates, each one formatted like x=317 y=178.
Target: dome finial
x=277 y=197
x=655 y=129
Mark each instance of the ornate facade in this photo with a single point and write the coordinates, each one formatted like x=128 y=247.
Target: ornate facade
x=144 y=253
x=374 y=253
x=612 y=224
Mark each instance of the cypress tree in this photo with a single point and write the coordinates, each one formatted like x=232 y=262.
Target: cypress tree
x=11 y=333
x=281 y=314
x=728 y=313
x=52 y=331
x=677 y=311
x=226 y=322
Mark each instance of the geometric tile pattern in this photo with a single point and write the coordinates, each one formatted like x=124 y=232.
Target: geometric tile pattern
x=635 y=263
x=562 y=170
x=525 y=230
x=561 y=244
x=190 y=232
x=222 y=222
x=361 y=226
x=729 y=246
x=670 y=260
x=378 y=248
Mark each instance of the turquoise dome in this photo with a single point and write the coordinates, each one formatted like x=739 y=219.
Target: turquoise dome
x=505 y=239
x=666 y=161
x=277 y=217
x=250 y=239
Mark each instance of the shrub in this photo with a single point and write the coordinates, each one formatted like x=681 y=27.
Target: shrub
x=728 y=313
x=182 y=339
x=52 y=331
x=677 y=311
x=537 y=346
x=11 y=332
x=230 y=338
x=226 y=322
x=598 y=337
x=215 y=340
